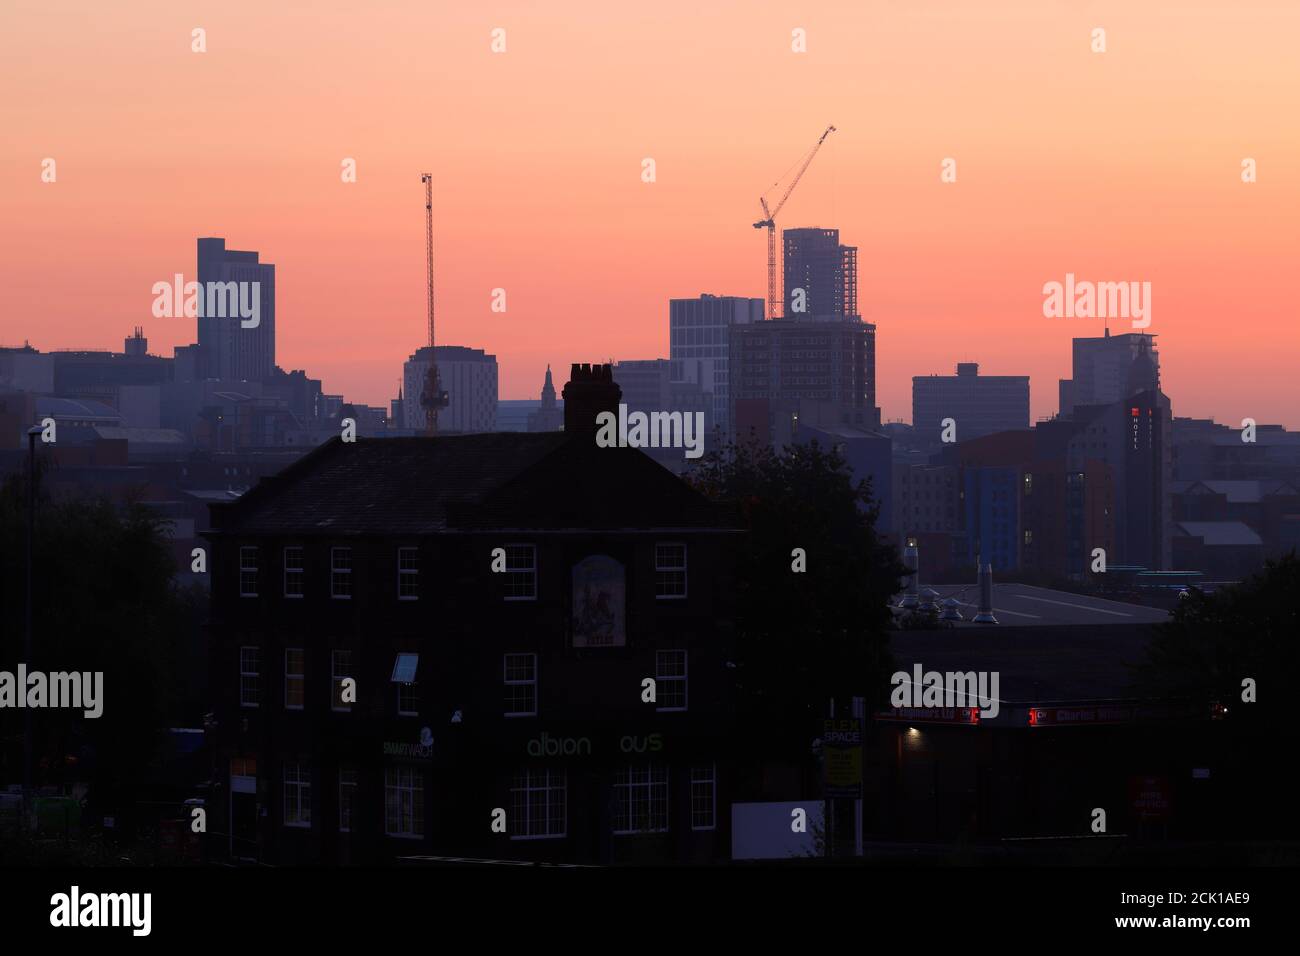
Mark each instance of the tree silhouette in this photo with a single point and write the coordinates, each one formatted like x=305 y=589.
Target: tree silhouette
x=1213 y=644
x=804 y=637
x=103 y=600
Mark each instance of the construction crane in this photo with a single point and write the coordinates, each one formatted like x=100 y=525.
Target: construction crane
x=768 y=222
x=432 y=397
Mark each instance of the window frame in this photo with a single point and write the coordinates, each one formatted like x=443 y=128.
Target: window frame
x=531 y=569
x=672 y=569
x=256 y=675
x=650 y=785
x=300 y=676
x=336 y=679
x=684 y=678
x=406 y=697
x=300 y=569
x=712 y=782
x=336 y=571
x=244 y=569
x=350 y=803
x=404 y=573
x=521 y=806
x=416 y=790
x=402 y=694
x=301 y=784
x=515 y=682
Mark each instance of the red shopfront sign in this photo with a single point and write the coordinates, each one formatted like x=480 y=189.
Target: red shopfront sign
x=1089 y=716
x=969 y=716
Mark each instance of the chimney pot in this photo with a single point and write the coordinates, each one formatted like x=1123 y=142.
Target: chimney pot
x=591 y=389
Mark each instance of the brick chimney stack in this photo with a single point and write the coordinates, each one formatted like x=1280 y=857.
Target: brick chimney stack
x=591 y=389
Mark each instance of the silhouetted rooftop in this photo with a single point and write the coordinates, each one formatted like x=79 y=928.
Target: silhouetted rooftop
x=1061 y=664
x=394 y=486
x=1220 y=533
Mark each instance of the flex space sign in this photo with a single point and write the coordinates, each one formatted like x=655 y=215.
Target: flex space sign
x=842 y=758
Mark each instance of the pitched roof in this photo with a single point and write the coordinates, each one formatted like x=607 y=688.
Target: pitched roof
x=74 y=408
x=151 y=436
x=840 y=430
x=1251 y=490
x=1221 y=532
x=422 y=485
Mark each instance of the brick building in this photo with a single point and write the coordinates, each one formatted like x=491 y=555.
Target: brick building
x=499 y=600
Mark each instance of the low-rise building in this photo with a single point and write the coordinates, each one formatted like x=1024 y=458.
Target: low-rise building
x=504 y=603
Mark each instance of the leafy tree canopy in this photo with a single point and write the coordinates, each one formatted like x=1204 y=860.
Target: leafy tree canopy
x=103 y=600
x=804 y=636
x=1215 y=641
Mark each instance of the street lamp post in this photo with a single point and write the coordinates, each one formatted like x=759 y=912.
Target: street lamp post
x=29 y=801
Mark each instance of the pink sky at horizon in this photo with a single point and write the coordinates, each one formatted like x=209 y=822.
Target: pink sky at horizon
x=1119 y=166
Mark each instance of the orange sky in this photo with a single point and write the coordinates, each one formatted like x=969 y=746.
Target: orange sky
x=1123 y=165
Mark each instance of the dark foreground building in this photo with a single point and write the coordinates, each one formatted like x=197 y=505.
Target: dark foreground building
x=1072 y=734
x=499 y=600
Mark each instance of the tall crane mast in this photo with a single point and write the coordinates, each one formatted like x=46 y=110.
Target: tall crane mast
x=768 y=222
x=432 y=397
